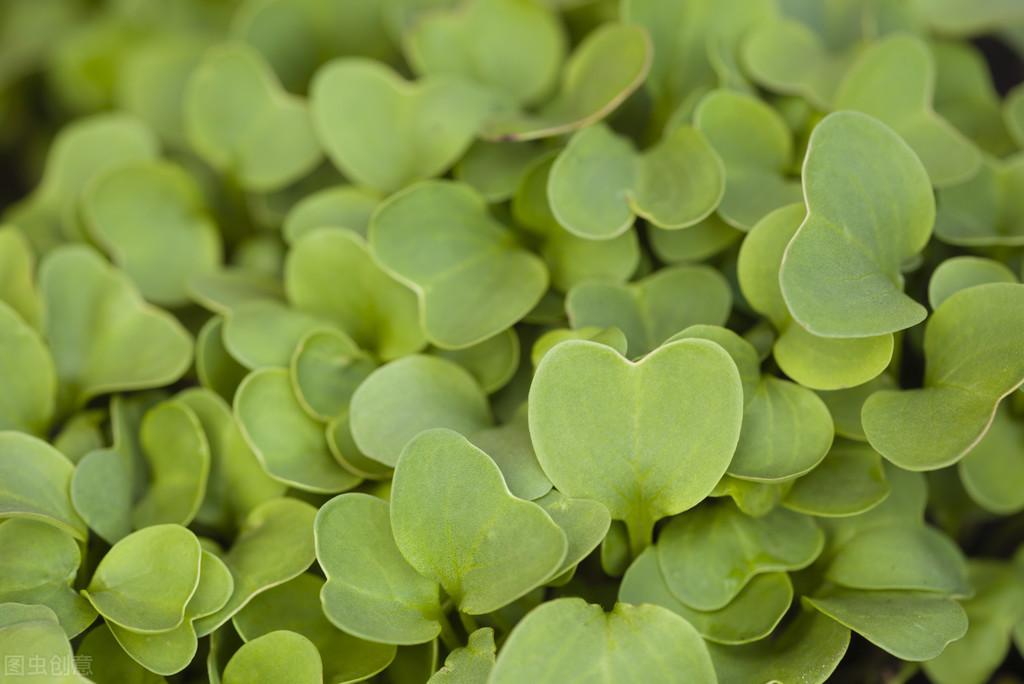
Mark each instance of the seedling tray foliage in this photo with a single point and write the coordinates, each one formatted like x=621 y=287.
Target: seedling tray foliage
x=502 y=341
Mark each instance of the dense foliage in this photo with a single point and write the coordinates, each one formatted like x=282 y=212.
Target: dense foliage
x=503 y=341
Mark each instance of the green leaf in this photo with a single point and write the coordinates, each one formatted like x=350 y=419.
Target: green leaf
x=280 y=656
x=584 y=522
x=108 y=663
x=179 y=241
x=571 y=259
x=470 y=664
x=17 y=284
x=569 y=639
x=371 y=590
x=966 y=97
x=651 y=310
x=849 y=481
x=647 y=439
x=986 y=209
x=959 y=273
x=610 y=336
x=495 y=169
x=511 y=47
x=599 y=183
x=893 y=81
x=700 y=241
x=403 y=398
x=273 y=545
x=971 y=364
x=996 y=607
x=911 y=557
x=38 y=565
x=330 y=273
x=30 y=634
x=342 y=206
x=455 y=522
x=295 y=606
x=325 y=370
x=750 y=616
x=223 y=290
x=122 y=344
x=27 y=373
x=845 y=405
x=84 y=150
x=1013 y=114
x=685 y=37
x=216 y=369
x=146 y=579
x=242 y=123
x=710 y=554
x=383 y=132
x=813 y=361
x=992 y=473
x=605 y=69
x=509 y=446
x=840 y=274
x=492 y=363
x=962 y=18
x=35 y=480
x=290 y=445
x=910 y=625
x=261 y=333
x=805 y=651
x=472 y=280
x=757 y=151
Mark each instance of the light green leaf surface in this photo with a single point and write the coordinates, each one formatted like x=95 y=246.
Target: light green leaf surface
x=849 y=481
x=647 y=439
x=35 y=480
x=27 y=373
x=275 y=657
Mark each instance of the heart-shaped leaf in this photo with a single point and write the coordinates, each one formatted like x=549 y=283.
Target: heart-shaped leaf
x=17 y=281
x=385 y=133
x=152 y=220
x=262 y=333
x=513 y=48
x=840 y=274
x=35 y=480
x=455 y=522
x=146 y=580
x=910 y=625
x=38 y=564
x=326 y=369
x=330 y=273
x=813 y=361
x=107 y=661
x=475 y=281
x=241 y=122
x=295 y=606
x=605 y=69
x=893 y=81
x=750 y=616
x=122 y=344
x=568 y=638
x=403 y=398
x=647 y=439
x=651 y=310
x=372 y=591
x=971 y=346
x=599 y=183
x=757 y=152
x=733 y=548
x=985 y=210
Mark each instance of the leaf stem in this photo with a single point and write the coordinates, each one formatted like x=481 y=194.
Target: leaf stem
x=640 y=531
x=448 y=635
x=468 y=622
